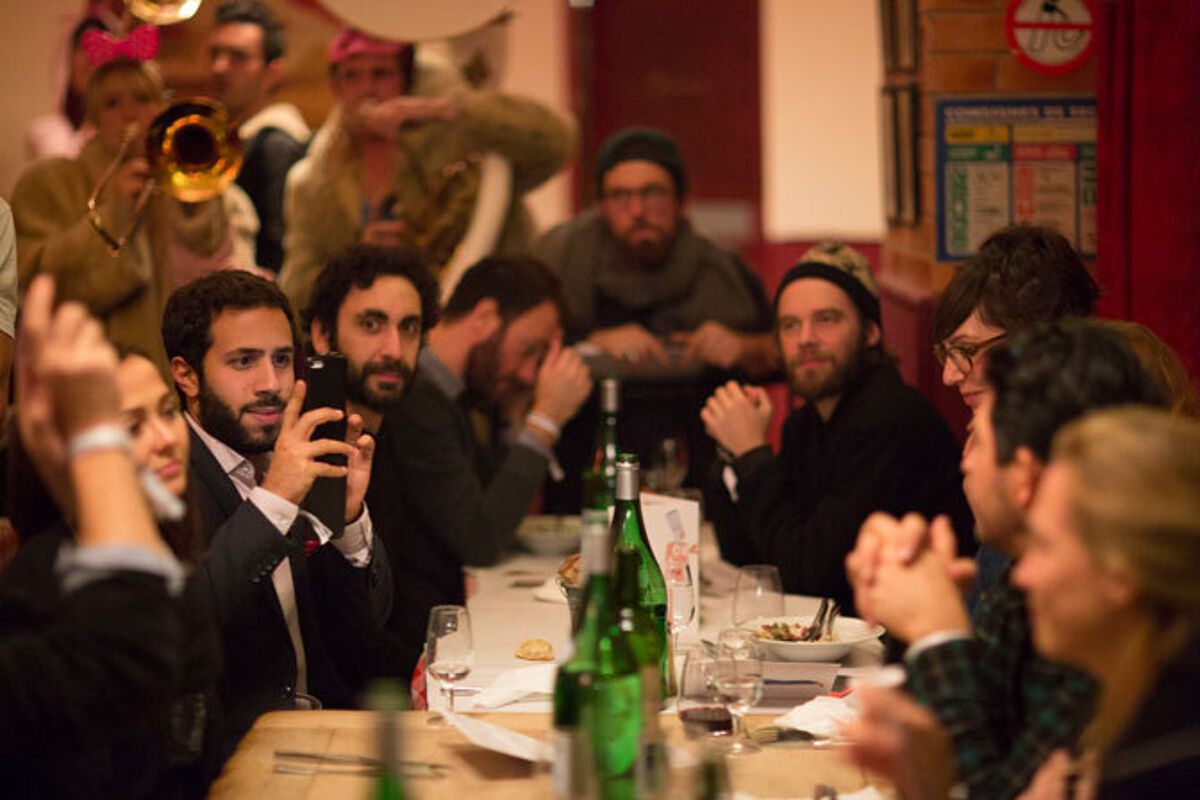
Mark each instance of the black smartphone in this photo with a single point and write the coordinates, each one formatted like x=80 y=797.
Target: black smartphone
x=326 y=379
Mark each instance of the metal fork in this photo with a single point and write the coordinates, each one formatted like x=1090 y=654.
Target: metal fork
x=814 y=629
x=827 y=624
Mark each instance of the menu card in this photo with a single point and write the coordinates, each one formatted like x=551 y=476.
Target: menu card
x=673 y=526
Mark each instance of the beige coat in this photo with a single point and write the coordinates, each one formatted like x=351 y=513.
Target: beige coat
x=323 y=203
x=126 y=291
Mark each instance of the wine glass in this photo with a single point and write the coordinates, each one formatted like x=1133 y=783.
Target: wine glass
x=668 y=466
x=699 y=708
x=738 y=674
x=757 y=593
x=448 y=652
x=681 y=604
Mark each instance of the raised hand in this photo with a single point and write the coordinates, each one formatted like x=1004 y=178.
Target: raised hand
x=389 y=117
x=737 y=417
x=294 y=462
x=66 y=381
x=563 y=384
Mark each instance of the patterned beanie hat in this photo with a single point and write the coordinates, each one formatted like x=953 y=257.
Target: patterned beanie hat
x=845 y=268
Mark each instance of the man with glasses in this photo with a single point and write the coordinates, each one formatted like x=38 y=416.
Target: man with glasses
x=1022 y=275
x=641 y=284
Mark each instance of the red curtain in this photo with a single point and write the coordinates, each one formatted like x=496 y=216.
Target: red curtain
x=1148 y=99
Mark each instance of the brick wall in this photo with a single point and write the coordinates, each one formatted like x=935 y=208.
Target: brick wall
x=961 y=50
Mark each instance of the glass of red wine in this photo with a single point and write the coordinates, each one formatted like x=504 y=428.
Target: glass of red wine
x=700 y=707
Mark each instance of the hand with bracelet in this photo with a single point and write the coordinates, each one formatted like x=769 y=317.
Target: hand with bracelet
x=563 y=384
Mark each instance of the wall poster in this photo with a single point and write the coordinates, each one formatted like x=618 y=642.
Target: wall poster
x=1015 y=159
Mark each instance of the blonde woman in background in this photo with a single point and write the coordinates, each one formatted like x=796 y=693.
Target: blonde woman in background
x=1111 y=573
x=173 y=243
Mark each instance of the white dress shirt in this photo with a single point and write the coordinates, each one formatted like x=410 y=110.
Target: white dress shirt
x=355 y=544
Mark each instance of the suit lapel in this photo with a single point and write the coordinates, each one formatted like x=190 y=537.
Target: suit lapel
x=219 y=495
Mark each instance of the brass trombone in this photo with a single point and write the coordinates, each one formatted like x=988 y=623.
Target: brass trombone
x=192 y=148
x=194 y=155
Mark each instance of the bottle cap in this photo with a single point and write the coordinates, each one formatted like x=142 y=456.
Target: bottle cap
x=627 y=477
x=610 y=395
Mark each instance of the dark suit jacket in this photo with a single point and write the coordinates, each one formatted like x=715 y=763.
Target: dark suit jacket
x=440 y=501
x=338 y=605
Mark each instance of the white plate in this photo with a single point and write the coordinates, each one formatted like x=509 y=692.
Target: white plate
x=850 y=631
x=549 y=535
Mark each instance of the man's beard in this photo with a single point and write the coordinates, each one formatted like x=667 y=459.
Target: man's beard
x=359 y=391
x=647 y=252
x=812 y=389
x=485 y=385
x=219 y=420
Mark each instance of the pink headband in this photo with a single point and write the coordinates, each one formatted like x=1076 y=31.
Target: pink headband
x=354 y=43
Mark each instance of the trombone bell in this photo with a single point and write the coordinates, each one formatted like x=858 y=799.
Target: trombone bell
x=193 y=150
x=163 y=12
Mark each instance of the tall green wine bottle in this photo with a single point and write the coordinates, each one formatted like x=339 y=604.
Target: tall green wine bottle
x=637 y=623
x=629 y=531
x=600 y=478
x=597 y=693
x=387 y=700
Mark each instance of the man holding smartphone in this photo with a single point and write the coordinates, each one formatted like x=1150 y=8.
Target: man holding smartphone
x=374 y=305
x=284 y=600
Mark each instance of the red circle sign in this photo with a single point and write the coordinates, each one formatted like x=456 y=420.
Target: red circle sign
x=1052 y=37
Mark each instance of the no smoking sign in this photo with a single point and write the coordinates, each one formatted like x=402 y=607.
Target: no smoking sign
x=1052 y=37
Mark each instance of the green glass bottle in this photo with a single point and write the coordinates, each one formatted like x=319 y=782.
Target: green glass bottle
x=597 y=693
x=629 y=531
x=600 y=478
x=387 y=700
x=637 y=623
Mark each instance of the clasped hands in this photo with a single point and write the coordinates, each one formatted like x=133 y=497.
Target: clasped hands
x=711 y=343
x=907 y=576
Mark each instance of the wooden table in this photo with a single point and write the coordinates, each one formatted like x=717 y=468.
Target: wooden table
x=779 y=770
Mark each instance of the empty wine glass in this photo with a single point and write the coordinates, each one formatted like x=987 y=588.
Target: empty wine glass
x=668 y=466
x=699 y=707
x=738 y=674
x=449 y=655
x=681 y=604
x=758 y=593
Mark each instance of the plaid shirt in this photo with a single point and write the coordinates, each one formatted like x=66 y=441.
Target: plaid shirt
x=1004 y=707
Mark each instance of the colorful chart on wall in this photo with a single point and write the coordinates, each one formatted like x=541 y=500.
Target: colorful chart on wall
x=1015 y=159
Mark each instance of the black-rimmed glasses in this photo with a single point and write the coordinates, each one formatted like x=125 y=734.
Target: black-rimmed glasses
x=963 y=356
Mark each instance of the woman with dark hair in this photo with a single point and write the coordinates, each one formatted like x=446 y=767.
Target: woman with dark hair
x=90 y=650
x=168 y=752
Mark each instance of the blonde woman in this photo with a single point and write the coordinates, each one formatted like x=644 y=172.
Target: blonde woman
x=173 y=243
x=1111 y=574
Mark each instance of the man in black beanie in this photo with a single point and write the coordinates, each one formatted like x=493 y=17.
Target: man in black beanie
x=863 y=441
x=640 y=282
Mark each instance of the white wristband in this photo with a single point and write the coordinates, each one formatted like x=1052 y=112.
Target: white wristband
x=544 y=423
x=101 y=437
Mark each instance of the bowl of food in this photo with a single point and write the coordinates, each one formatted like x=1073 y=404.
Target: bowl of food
x=781 y=638
x=549 y=534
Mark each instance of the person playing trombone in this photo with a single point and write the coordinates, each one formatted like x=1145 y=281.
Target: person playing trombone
x=123 y=253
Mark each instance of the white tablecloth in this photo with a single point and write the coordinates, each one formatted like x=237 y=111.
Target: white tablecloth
x=503 y=615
